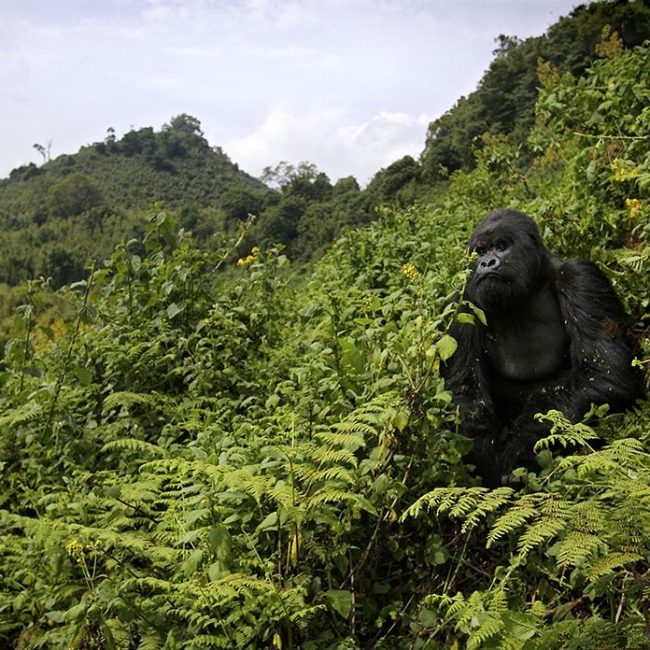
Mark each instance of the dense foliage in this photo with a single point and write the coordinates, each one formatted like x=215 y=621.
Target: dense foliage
x=504 y=101
x=195 y=458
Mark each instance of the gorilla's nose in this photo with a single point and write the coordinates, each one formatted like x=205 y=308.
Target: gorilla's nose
x=489 y=263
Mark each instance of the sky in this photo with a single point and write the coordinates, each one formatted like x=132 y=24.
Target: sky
x=349 y=85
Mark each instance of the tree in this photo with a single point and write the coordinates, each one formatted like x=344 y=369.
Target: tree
x=279 y=224
x=45 y=151
x=389 y=183
x=238 y=202
x=284 y=173
x=184 y=123
x=72 y=196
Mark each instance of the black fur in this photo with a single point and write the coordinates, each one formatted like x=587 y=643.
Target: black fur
x=554 y=340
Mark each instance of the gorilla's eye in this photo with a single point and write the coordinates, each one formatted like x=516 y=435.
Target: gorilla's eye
x=501 y=245
x=480 y=250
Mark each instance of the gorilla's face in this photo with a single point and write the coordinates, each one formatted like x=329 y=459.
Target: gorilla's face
x=509 y=262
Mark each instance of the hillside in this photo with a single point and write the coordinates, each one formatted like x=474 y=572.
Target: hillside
x=504 y=101
x=268 y=457
x=53 y=218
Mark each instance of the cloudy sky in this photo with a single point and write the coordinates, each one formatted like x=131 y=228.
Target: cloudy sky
x=349 y=85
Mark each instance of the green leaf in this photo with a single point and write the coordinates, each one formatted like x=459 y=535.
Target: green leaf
x=173 y=310
x=87 y=314
x=272 y=401
x=401 y=420
x=217 y=570
x=479 y=313
x=466 y=318
x=75 y=613
x=220 y=542
x=351 y=356
x=427 y=618
x=521 y=626
x=84 y=376
x=270 y=522
x=191 y=564
x=446 y=346
x=81 y=285
x=340 y=601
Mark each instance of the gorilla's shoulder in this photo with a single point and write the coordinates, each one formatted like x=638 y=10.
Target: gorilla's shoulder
x=583 y=284
x=577 y=268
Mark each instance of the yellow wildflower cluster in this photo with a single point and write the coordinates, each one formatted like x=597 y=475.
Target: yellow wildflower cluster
x=410 y=272
x=611 y=44
x=623 y=171
x=249 y=259
x=634 y=206
x=75 y=551
x=547 y=73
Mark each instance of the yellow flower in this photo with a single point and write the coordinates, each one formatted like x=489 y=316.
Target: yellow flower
x=634 y=206
x=75 y=550
x=249 y=259
x=410 y=271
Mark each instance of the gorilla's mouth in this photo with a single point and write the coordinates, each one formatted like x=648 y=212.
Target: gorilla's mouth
x=492 y=275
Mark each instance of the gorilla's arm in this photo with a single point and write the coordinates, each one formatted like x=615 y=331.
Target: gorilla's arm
x=601 y=356
x=465 y=377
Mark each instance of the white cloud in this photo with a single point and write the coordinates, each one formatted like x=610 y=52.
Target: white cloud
x=338 y=145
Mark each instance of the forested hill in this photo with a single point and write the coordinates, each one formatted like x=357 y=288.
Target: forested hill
x=504 y=101
x=56 y=216
x=53 y=218
x=176 y=164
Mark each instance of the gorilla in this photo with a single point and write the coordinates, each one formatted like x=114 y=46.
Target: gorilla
x=555 y=339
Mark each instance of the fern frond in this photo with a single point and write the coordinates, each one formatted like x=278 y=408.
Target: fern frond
x=616 y=459
x=348 y=435
x=340 y=474
x=151 y=584
x=498 y=498
x=244 y=480
x=565 y=433
x=24 y=413
x=609 y=562
x=126 y=398
x=443 y=499
x=283 y=494
x=510 y=521
x=135 y=445
x=211 y=641
x=576 y=548
x=498 y=601
x=335 y=495
x=489 y=626
x=151 y=642
x=542 y=531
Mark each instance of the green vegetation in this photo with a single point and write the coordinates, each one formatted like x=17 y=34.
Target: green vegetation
x=55 y=217
x=206 y=455
x=504 y=102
